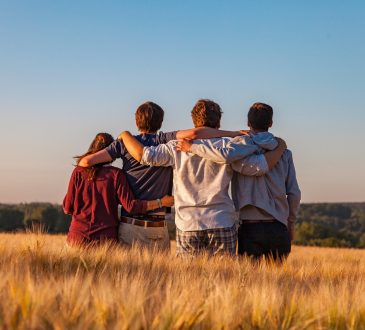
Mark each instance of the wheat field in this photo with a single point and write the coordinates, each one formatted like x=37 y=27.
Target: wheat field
x=46 y=285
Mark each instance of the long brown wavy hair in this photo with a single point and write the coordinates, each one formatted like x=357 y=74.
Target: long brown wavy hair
x=101 y=141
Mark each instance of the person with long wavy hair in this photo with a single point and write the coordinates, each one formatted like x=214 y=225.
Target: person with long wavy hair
x=93 y=197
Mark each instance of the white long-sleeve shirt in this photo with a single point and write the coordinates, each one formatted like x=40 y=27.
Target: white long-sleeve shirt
x=277 y=193
x=201 y=186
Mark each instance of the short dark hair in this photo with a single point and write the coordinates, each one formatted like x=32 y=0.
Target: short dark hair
x=206 y=113
x=260 y=116
x=149 y=117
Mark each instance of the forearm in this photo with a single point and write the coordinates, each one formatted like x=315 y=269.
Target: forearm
x=142 y=206
x=272 y=157
x=137 y=206
x=205 y=133
x=223 y=154
x=209 y=133
x=99 y=157
x=165 y=201
x=294 y=204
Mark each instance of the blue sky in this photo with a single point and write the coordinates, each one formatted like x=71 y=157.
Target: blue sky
x=69 y=69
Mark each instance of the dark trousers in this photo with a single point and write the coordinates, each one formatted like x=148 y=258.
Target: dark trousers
x=264 y=239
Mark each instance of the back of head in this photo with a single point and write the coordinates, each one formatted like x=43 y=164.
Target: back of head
x=101 y=141
x=149 y=117
x=206 y=113
x=260 y=116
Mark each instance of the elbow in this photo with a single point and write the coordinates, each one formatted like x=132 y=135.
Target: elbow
x=294 y=198
x=67 y=210
x=122 y=135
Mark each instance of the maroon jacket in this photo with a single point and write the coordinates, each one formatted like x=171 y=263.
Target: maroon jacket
x=94 y=204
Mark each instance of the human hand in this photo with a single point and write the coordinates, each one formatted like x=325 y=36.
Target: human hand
x=167 y=201
x=83 y=162
x=184 y=145
x=244 y=132
x=281 y=143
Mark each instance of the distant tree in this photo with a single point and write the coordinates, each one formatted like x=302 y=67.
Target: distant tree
x=362 y=241
x=63 y=221
x=330 y=242
x=322 y=224
x=49 y=218
x=11 y=219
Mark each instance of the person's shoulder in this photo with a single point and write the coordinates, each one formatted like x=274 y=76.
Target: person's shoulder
x=116 y=149
x=242 y=139
x=79 y=169
x=287 y=156
x=112 y=169
x=288 y=153
x=79 y=173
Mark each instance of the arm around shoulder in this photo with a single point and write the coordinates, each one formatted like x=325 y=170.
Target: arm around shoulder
x=206 y=133
x=101 y=156
x=222 y=151
x=161 y=155
x=254 y=165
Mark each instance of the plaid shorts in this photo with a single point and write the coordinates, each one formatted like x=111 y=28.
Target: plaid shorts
x=213 y=241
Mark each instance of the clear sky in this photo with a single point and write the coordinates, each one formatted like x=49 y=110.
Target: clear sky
x=70 y=69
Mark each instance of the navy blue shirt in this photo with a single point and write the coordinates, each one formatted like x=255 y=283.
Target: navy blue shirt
x=146 y=182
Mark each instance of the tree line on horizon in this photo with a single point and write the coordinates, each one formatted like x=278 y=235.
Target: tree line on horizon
x=319 y=224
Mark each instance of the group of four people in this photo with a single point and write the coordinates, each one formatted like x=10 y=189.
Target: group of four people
x=198 y=165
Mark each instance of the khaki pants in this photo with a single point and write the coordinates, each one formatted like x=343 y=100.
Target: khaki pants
x=146 y=237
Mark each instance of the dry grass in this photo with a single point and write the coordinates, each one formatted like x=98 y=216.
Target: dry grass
x=45 y=285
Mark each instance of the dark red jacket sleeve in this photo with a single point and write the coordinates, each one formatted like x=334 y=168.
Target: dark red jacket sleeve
x=68 y=201
x=126 y=197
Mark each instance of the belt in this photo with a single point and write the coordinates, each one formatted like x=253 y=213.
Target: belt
x=149 y=217
x=258 y=221
x=142 y=223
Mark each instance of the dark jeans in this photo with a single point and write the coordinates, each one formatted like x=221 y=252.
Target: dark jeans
x=269 y=239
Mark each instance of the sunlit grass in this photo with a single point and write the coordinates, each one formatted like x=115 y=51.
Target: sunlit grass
x=46 y=285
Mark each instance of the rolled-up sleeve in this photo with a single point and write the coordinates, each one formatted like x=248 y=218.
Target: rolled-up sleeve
x=254 y=165
x=161 y=155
